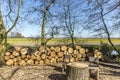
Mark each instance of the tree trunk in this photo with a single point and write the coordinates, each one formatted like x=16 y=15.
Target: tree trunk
x=3 y=39
x=77 y=71
x=43 y=29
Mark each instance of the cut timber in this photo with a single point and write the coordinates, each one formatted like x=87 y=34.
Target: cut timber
x=53 y=60
x=7 y=54
x=82 y=50
x=77 y=71
x=98 y=55
x=30 y=62
x=52 y=48
x=41 y=62
x=57 y=49
x=53 y=54
x=77 y=47
x=43 y=56
x=17 y=48
x=70 y=50
x=60 y=54
x=10 y=62
x=63 y=48
x=24 y=51
x=22 y=63
x=42 y=49
x=15 y=53
x=37 y=53
x=7 y=57
x=47 y=61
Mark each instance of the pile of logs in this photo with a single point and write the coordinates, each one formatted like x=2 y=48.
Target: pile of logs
x=46 y=55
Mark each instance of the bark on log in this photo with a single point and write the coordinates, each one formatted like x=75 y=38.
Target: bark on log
x=77 y=71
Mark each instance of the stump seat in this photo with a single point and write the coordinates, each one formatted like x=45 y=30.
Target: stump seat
x=94 y=66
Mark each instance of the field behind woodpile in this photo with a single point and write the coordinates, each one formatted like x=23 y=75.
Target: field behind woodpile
x=54 y=41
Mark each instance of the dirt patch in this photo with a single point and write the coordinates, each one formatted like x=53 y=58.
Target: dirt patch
x=49 y=72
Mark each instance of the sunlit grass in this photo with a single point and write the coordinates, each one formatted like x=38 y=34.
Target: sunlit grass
x=61 y=40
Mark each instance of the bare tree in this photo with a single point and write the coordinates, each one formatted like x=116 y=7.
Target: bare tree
x=101 y=14
x=42 y=9
x=3 y=30
x=70 y=18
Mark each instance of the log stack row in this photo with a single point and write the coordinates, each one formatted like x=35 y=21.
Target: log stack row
x=46 y=55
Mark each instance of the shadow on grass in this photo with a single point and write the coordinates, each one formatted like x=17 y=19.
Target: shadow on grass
x=57 y=77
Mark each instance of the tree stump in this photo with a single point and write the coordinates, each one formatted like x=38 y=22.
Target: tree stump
x=77 y=71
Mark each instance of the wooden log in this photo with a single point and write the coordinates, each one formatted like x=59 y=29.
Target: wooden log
x=7 y=54
x=72 y=60
x=52 y=48
x=22 y=63
x=98 y=54
x=66 y=60
x=47 y=61
x=17 y=48
x=48 y=51
x=37 y=53
x=38 y=57
x=24 y=51
x=36 y=62
x=15 y=53
x=60 y=60
x=77 y=47
x=30 y=62
x=60 y=54
x=53 y=54
x=41 y=62
x=42 y=49
x=53 y=60
x=33 y=57
x=28 y=56
x=11 y=56
x=57 y=49
x=9 y=62
x=64 y=48
x=77 y=71
x=6 y=57
x=70 y=50
x=43 y=56
x=82 y=50
x=23 y=56
x=15 y=60
x=76 y=51
x=79 y=56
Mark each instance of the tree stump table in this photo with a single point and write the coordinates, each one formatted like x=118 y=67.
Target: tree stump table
x=77 y=71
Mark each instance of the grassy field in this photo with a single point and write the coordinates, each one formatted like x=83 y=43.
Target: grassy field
x=61 y=41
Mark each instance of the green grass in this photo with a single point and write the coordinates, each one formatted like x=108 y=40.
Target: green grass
x=61 y=40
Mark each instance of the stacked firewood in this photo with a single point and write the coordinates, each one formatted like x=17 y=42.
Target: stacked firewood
x=46 y=55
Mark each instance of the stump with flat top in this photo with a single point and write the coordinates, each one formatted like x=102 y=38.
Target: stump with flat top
x=77 y=71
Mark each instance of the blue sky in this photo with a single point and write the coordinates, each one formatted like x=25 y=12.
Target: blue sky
x=27 y=29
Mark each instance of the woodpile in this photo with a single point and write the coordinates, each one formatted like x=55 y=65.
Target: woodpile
x=46 y=55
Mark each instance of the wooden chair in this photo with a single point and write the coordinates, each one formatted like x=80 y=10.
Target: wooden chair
x=94 y=66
